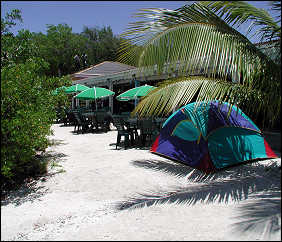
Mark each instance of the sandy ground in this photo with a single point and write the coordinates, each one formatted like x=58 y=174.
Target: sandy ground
x=95 y=192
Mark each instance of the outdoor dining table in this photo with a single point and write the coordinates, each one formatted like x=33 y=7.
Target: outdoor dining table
x=99 y=119
x=135 y=122
x=92 y=117
x=131 y=121
x=89 y=115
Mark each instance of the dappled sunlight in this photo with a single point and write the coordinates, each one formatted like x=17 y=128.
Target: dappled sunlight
x=31 y=190
x=262 y=214
x=28 y=192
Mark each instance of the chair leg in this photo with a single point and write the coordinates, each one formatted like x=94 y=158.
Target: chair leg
x=126 y=141
x=136 y=134
x=131 y=138
x=118 y=140
x=76 y=128
x=143 y=139
x=105 y=128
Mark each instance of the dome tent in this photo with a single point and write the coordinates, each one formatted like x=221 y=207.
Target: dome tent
x=203 y=136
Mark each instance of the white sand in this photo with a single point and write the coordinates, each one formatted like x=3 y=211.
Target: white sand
x=242 y=203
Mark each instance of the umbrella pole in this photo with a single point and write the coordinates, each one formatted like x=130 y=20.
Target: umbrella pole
x=72 y=102
x=77 y=100
x=95 y=98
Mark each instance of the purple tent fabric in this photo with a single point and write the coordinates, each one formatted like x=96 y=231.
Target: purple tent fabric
x=208 y=139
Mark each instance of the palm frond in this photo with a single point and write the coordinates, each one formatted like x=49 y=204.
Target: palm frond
x=174 y=93
x=239 y=12
x=193 y=40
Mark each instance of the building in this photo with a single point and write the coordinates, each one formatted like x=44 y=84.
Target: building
x=120 y=77
x=117 y=77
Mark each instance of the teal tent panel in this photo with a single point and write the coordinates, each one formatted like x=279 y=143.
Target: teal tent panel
x=169 y=118
x=199 y=115
x=181 y=128
x=231 y=146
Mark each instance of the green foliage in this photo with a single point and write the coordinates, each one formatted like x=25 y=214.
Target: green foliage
x=236 y=13
x=27 y=113
x=9 y=20
x=27 y=106
x=194 y=41
x=58 y=47
x=17 y=49
x=102 y=45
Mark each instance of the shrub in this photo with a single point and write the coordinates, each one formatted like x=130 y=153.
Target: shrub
x=27 y=113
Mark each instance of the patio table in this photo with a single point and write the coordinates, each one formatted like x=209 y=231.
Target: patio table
x=92 y=117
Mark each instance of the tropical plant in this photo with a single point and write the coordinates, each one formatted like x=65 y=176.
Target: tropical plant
x=102 y=44
x=9 y=20
x=263 y=26
x=210 y=58
x=58 y=47
x=27 y=106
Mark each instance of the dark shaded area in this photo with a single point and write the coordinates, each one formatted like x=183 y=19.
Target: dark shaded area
x=261 y=183
x=28 y=190
x=175 y=169
x=262 y=214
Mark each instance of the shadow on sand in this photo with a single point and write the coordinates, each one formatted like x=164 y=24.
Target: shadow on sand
x=30 y=190
x=260 y=183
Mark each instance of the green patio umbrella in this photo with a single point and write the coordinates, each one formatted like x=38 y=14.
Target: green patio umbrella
x=94 y=93
x=134 y=93
x=58 y=89
x=76 y=88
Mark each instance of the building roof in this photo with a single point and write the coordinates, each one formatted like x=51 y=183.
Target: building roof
x=104 y=68
x=271 y=49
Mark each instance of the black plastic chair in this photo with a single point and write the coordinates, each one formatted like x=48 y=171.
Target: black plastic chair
x=132 y=125
x=81 y=124
x=102 y=122
x=122 y=131
x=148 y=130
x=69 y=118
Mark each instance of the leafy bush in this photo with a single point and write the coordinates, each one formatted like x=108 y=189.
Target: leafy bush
x=27 y=113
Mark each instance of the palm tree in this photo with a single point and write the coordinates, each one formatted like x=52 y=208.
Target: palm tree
x=210 y=58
